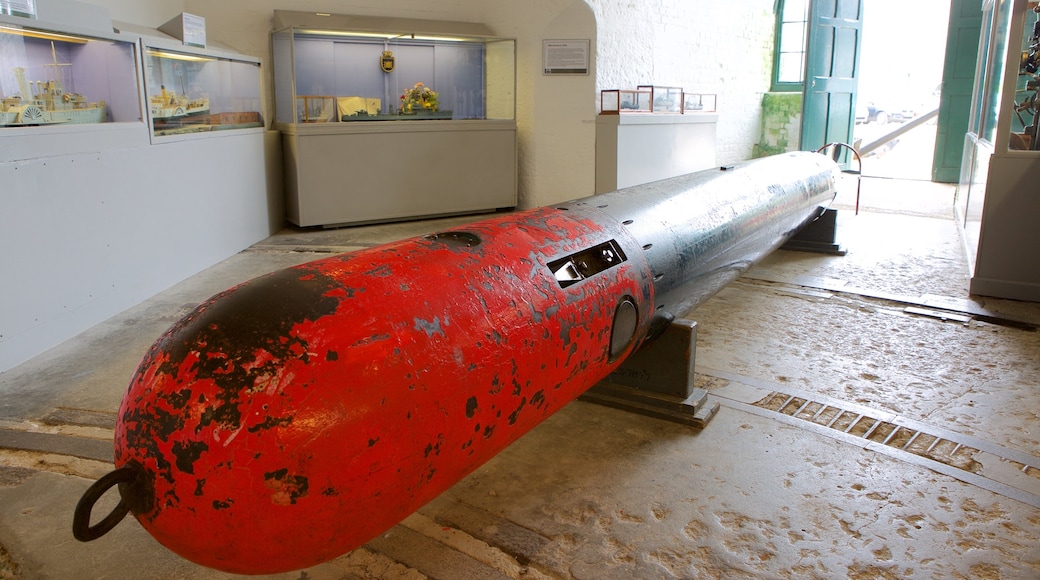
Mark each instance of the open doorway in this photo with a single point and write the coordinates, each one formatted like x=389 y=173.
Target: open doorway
x=901 y=68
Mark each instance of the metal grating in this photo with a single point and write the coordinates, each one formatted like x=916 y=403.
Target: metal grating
x=943 y=448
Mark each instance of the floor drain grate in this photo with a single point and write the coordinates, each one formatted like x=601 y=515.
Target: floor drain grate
x=1009 y=472
x=851 y=422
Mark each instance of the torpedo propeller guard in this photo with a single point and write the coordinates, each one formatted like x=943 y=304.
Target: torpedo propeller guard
x=294 y=417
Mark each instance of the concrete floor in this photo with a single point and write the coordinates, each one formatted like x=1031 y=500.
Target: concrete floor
x=875 y=422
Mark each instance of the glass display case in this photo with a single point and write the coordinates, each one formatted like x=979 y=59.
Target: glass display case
x=997 y=200
x=664 y=99
x=1021 y=105
x=50 y=76
x=617 y=101
x=385 y=119
x=198 y=90
x=329 y=75
x=698 y=103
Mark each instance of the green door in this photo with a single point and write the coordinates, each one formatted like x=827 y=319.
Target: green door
x=831 y=68
x=962 y=50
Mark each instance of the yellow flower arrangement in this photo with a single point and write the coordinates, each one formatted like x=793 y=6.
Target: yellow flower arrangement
x=419 y=97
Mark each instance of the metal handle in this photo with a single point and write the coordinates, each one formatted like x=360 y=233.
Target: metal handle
x=81 y=528
x=835 y=150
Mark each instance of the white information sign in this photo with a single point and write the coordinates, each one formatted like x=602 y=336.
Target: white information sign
x=565 y=57
x=194 y=30
x=18 y=7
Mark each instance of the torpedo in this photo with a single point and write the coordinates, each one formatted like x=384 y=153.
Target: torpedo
x=294 y=417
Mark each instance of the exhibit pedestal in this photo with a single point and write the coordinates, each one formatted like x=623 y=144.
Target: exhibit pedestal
x=1005 y=265
x=658 y=380
x=355 y=173
x=639 y=148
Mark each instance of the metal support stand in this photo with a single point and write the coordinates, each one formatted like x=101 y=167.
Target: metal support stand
x=820 y=236
x=657 y=380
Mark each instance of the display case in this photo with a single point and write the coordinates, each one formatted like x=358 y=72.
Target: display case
x=997 y=199
x=698 y=103
x=1019 y=117
x=617 y=101
x=385 y=118
x=192 y=90
x=664 y=99
x=341 y=75
x=56 y=76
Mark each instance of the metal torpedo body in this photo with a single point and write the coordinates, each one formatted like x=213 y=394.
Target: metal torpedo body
x=294 y=417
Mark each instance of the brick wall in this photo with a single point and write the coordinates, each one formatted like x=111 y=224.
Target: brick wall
x=701 y=45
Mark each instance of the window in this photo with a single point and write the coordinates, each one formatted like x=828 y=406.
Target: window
x=789 y=52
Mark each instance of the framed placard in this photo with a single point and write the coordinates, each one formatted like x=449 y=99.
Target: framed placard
x=194 y=30
x=188 y=28
x=565 y=57
x=25 y=8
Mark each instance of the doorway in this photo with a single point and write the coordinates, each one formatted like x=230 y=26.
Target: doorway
x=901 y=72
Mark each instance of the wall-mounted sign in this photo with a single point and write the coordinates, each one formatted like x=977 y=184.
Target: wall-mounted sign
x=24 y=8
x=194 y=30
x=188 y=28
x=565 y=57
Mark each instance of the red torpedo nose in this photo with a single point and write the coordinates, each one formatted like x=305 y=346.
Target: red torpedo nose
x=293 y=418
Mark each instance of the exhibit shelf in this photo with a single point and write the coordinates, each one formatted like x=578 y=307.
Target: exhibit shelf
x=354 y=173
x=636 y=149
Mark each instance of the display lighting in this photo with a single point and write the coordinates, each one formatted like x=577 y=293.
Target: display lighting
x=179 y=56
x=44 y=35
x=383 y=35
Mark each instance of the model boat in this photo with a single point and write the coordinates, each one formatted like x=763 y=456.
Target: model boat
x=47 y=103
x=170 y=105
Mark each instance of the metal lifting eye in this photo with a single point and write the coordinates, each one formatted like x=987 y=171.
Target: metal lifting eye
x=588 y=262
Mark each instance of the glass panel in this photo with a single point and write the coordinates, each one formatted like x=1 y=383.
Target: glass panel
x=995 y=75
x=345 y=77
x=192 y=93
x=790 y=43
x=501 y=79
x=49 y=78
x=792 y=37
x=1026 y=116
x=796 y=10
x=792 y=67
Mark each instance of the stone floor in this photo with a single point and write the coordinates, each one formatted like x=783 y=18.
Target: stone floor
x=875 y=422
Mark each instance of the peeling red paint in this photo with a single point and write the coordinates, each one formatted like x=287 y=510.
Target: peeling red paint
x=277 y=436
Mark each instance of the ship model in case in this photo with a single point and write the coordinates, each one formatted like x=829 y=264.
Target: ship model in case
x=46 y=102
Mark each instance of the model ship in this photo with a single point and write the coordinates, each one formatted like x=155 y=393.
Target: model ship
x=315 y=108
x=169 y=105
x=47 y=103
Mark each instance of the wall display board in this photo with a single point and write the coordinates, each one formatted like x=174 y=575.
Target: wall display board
x=200 y=90
x=53 y=76
x=388 y=118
